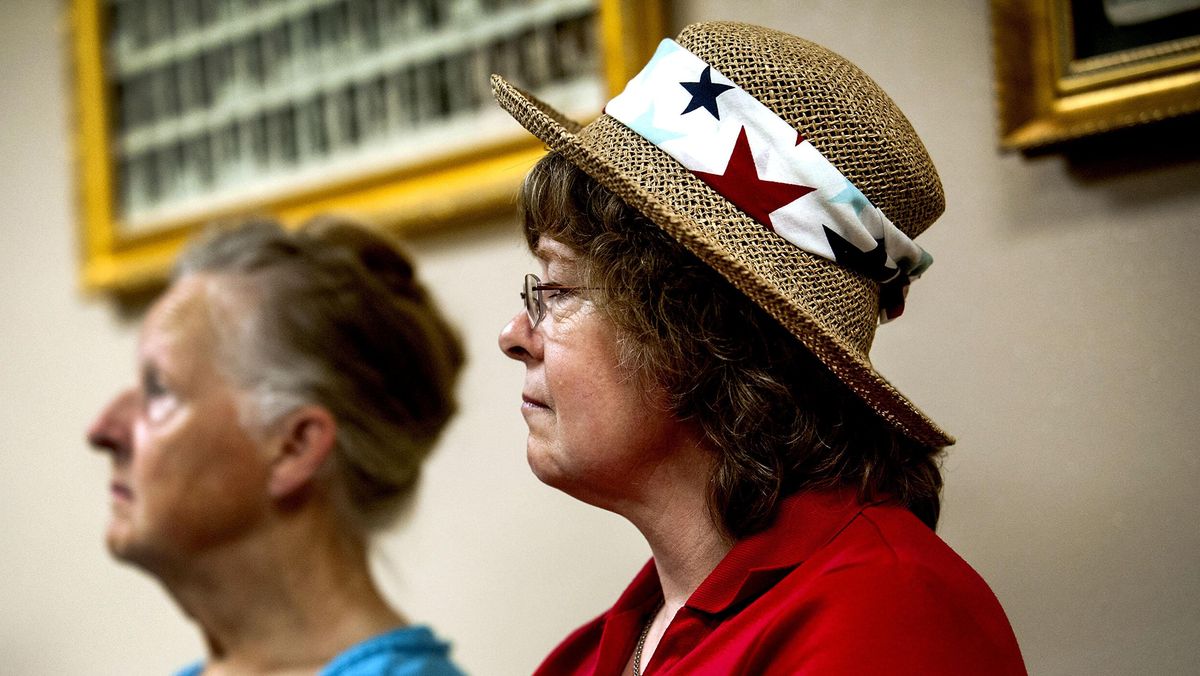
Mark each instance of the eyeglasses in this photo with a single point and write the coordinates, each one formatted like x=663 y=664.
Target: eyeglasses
x=535 y=303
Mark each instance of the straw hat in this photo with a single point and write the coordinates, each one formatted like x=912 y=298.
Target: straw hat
x=842 y=114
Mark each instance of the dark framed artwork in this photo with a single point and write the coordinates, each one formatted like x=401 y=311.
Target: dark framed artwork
x=1066 y=69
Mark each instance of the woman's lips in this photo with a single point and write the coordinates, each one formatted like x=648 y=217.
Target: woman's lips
x=120 y=491
x=532 y=402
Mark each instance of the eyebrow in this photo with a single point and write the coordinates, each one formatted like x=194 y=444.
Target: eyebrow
x=552 y=255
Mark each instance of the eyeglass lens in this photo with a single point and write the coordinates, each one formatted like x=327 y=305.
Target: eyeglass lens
x=533 y=299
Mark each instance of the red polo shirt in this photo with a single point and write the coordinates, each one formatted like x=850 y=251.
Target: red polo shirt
x=832 y=587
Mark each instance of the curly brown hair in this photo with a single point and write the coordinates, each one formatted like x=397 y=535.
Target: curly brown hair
x=779 y=420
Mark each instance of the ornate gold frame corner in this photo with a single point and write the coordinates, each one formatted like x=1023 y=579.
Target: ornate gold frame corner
x=1045 y=96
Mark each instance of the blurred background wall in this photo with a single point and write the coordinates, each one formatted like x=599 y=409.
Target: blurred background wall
x=1056 y=336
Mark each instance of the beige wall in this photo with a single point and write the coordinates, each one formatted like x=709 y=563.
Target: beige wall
x=1056 y=336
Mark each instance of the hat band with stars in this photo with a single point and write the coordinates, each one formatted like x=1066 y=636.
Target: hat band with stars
x=764 y=166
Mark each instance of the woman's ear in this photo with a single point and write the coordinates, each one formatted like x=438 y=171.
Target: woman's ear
x=306 y=438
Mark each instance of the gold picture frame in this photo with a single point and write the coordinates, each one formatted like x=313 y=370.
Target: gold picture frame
x=1050 y=91
x=436 y=189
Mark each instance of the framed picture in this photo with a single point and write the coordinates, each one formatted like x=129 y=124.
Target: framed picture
x=1066 y=69
x=190 y=111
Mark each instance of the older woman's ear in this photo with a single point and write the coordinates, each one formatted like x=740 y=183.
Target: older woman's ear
x=305 y=440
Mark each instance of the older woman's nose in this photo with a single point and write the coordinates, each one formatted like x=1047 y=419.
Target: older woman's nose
x=112 y=430
x=517 y=338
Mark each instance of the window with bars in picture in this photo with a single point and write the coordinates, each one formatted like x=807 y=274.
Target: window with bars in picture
x=232 y=101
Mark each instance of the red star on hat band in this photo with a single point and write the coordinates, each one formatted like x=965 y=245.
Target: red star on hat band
x=741 y=184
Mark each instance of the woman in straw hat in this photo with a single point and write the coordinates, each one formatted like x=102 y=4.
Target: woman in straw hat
x=716 y=251
x=290 y=384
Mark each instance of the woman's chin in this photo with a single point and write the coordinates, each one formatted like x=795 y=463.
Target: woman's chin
x=550 y=470
x=119 y=538
x=542 y=465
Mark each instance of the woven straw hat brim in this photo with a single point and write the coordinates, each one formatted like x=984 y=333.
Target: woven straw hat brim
x=830 y=309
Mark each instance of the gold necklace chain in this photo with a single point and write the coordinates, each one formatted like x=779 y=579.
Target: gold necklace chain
x=637 y=652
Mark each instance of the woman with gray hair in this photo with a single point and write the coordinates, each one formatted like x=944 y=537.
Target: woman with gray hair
x=289 y=387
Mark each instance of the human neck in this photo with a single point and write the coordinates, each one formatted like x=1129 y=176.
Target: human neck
x=675 y=519
x=686 y=546
x=285 y=601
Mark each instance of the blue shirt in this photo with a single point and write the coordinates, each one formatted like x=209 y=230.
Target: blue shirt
x=408 y=651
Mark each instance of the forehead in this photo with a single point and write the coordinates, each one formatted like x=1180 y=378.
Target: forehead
x=179 y=316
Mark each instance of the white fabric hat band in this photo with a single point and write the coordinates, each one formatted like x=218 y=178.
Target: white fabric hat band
x=757 y=161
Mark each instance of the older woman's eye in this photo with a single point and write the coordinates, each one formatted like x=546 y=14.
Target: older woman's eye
x=558 y=292
x=157 y=398
x=152 y=385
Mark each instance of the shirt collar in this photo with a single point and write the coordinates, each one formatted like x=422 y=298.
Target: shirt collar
x=804 y=522
x=643 y=594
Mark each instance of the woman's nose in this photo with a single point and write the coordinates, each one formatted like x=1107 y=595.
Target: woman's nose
x=112 y=430
x=517 y=338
